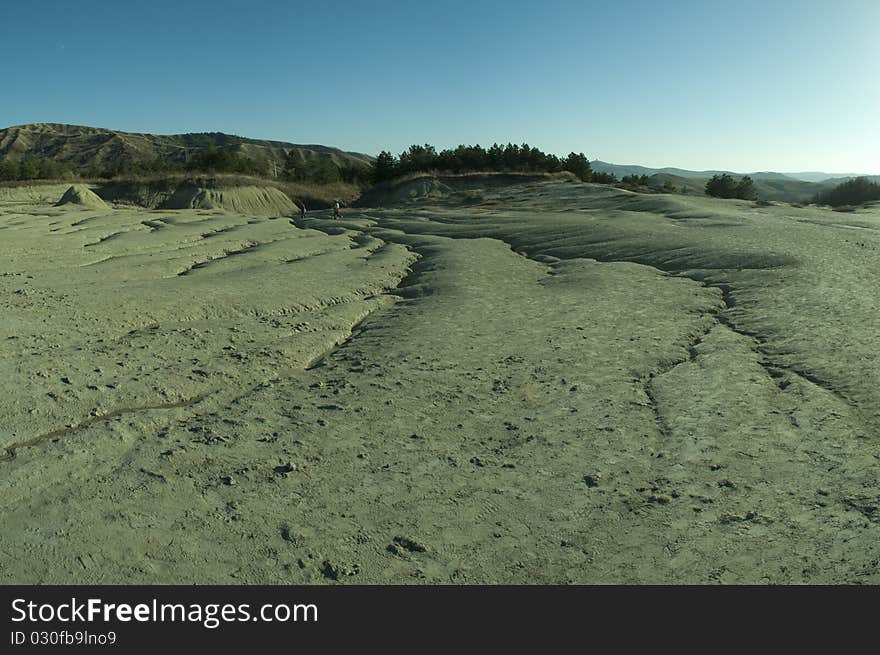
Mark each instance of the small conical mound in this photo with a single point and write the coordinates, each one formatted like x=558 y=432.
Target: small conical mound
x=79 y=194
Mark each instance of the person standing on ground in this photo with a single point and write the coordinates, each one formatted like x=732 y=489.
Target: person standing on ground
x=302 y=210
x=336 y=209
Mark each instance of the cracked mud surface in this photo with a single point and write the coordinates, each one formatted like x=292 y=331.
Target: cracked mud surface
x=559 y=383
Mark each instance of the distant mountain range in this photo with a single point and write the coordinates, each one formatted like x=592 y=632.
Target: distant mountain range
x=810 y=176
x=785 y=187
x=824 y=177
x=81 y=147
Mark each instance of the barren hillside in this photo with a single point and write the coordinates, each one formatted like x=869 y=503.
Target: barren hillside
x=81 y=146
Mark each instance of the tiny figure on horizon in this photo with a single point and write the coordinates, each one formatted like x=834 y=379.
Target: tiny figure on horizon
x=336 y=209
x=302 y=210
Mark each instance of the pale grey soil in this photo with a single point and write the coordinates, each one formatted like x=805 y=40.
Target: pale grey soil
x=571 y=384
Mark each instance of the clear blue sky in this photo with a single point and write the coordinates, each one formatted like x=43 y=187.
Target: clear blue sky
x=748 y=85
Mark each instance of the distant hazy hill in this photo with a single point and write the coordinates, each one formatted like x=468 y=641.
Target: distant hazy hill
x=621 y=170
x=785 y=187
x=808 y=176
x=81 y=147
x=814 y=176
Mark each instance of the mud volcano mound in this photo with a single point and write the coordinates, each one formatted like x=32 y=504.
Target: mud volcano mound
x=251 y=200
x=79 y=194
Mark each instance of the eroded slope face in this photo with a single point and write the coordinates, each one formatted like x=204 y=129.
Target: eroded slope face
x=579 y=385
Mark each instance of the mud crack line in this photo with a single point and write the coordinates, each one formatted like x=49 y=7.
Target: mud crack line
x=10 y=453
x=354 y=331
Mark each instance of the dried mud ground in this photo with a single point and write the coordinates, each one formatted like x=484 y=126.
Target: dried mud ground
x=544 y=383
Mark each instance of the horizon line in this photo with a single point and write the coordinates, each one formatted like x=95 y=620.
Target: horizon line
x=344 y=149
